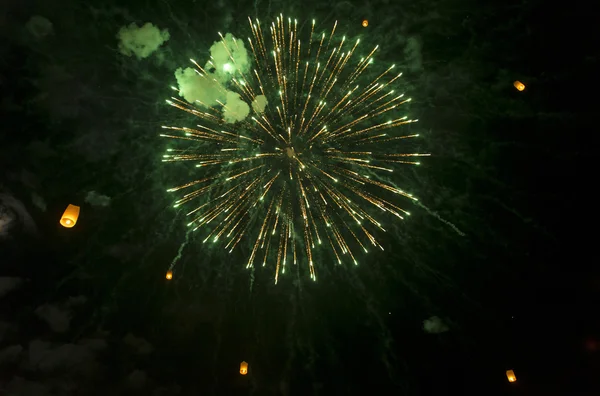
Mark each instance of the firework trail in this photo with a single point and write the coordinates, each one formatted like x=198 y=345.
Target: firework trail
x=302 y=171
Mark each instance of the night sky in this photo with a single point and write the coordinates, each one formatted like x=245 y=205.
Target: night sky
x=494 y=270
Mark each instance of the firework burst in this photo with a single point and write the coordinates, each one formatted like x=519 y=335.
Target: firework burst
x=303 y=171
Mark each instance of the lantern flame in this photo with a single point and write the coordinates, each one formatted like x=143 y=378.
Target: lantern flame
x=70 y=216
x=510 y=374
x=519 y=85
x=365 y=23
x=169 y=275
x=243 y=368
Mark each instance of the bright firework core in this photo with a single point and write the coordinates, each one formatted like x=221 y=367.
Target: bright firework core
x=306 y=175
x=289 y=151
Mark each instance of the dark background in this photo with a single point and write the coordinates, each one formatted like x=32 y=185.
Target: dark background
x=87 y=311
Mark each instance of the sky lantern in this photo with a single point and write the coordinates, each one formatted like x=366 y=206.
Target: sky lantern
x=592 y=344
x=365 y=23
x=519 y=85
x=169 y=275
x=243 y=368
x=70 y=216
x=510 y=374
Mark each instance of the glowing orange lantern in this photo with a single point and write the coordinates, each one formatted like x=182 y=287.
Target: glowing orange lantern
x=365 y=23
x=69 y=217
x=169 y=275
x=519 y=85
x=243 y=368
x=510 y=374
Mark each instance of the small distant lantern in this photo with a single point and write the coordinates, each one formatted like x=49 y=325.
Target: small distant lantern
x=70 y=216
x=169 y=275
x=510 y=374
x=365 y=23
x=243 y=368
x=519 y=85
x=591 y=345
